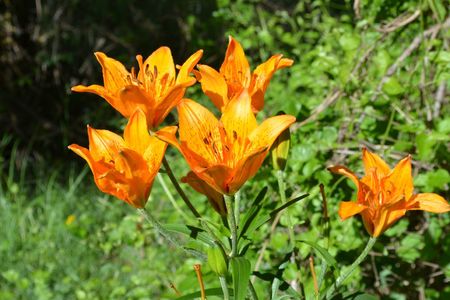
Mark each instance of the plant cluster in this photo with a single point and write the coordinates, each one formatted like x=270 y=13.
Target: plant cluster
x=223 y=154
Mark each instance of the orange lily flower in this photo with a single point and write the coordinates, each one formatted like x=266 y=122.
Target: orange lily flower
x=225 y=153
x=125 y=167
x=215 y=198
x=234 y=76
x=155 y=90
x=384 y=195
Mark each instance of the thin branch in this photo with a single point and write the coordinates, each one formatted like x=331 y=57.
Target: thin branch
x=440 y=99
x=327 y=102
x=357 y=8
x=408 y=51
x=400 y=21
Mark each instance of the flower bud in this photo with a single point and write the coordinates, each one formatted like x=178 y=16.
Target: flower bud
x=216 y=261
x=280 y=150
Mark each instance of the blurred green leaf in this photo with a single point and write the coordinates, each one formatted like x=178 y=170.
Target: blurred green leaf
x=240 y=270
x=322 y=251
x=410 y=246
x=392 y=87
x=349 y=42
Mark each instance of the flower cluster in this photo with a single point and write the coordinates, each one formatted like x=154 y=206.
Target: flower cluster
x=222 y=153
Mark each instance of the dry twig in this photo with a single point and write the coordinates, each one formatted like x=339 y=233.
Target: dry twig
x=408 y=51
x=400 y=21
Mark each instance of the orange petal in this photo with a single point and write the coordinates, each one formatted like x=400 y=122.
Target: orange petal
x=429 y=202
x=348 y=209
x=168 y=137
x=239 y=121
x=136 y=134
x=246 y=169
x=261 y=78
x=113 y=99
x=131 y=164
x=138 y=179
x=198 y=130
x=284 y=63
x=213 y=85
x=215 y=198
x=379 y=222
x=216 y=177
x=104 y=144
x=195 y=161
x=399 y=181
x=235 y=67
x=386 y=215
x=102 y=172
x=156 y=148
x=372 y=180
x=158 y=69
x=115 y=75
x=167 y=103
x=372 y=160
x=393 y=216
x=368 y=222
x=131 y=98
x=94 y=89
x=266 y=133
x=186 y=68
x=346 y=172
x=96 y=168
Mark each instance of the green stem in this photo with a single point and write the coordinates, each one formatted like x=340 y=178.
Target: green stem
x=232 y=224
x=388 y=129
x=161 y=230
x=353 y=266
x=252 y=290
x=167 y=235
x=326 y=234
x=237 y=200
x=186 y=200
x=282 y=191
x=170 y=196
x=223 y=284
x=179 y=189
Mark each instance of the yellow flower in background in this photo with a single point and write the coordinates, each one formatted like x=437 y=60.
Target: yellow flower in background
x=224 y=153
x=125 y=167
x=70 y=219
x=384 y=195
x=234 y=76
x=156 y=89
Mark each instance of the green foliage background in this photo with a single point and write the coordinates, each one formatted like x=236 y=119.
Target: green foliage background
x=372 y=73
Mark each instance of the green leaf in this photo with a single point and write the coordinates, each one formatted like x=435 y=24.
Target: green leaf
x=382 y=61
x=444 y=126
x=261 y=220
x=192 y=232
x=425 y=144
x=398 y=229
x=240 y=271
x=434 y=230
x=349 y=42
x=392 y=87
x=274 y=212
x=252 y=212
x=361 y=296
x=444 y=57
x=322 y=251
x=410 y=247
